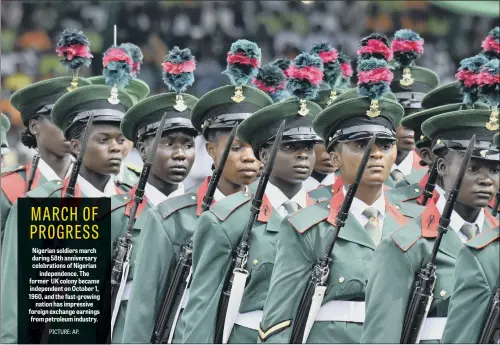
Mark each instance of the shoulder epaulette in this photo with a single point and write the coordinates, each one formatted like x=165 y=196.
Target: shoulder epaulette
x=408 y=209
x=321 y=192
x=126 y=187
x=172 y=205
x=406 y=236
x=45 y=190
x=404 y=193
x=134 y=168
x=306 y=218
x=484 y=239
x=223 y=208
x=10 y=170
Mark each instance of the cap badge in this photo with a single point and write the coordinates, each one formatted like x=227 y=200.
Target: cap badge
x=333 y=96
x=238 y=94
x=483 y=153
x=179 y=103
x=492 y=125
x=407 y=79
x=113 y=99
x=304 y=110
x=374 y=109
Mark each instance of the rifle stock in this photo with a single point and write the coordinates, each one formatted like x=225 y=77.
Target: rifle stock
x=241 y=254
x=422 y=294
x=174 y=288
x=321 y=269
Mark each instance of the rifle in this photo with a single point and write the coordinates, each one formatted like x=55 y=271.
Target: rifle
x=431 y=184
x=422 y=295
x=123 y=246
x=70 y=191
x=175 y=291
x=492 y=320
x=235 y=281
x=315 y=292
x=494 y=212
x=31 y=176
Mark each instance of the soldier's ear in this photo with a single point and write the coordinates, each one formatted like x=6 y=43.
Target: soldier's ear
x=211 y=149
x=142 y=150
x=425 y=154
x=442 y=167
x=263 y=155
x=75 y=146
x=33 y=126
x=335 y=159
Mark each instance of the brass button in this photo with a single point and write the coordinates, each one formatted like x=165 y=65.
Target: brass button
x=59 y=182
x=341 y=279
x=417 y=190
x=20 y=167
x=193 y=197
x=422 y=137
x=438 y=141
x=125 y=197
x=442 y=293
x=255 y=262
x=245 y=194
x=397 y=207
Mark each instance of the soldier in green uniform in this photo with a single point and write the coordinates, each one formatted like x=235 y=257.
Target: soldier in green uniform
x=35 y=103
x=4 y=128
x=102 y=159
x=172 y=223
x=173 y=158
x=410 y=84
x=400 y=257
x=219 y=230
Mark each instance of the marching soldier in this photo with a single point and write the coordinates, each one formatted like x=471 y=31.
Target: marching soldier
x=4 y=128
x=400 y=257
x=410 y=84
x=102 y=159
x=35 y=102
x=172 y=223
x=173 y=158
x=220 y=229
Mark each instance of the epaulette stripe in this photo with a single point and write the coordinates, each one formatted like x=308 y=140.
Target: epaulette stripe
x=178 y=206
x=223 y=217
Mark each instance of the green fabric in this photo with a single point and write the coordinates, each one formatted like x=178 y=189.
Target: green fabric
x=496 y=139
x=214 y=243
x=470 y=8
x=327 y=120
x=324 y=96
x=414 y=177
x=222 y=96
x=460 y=119
x=298 y=252
x=4 y=128
x=62 y=108
x=476 y=279
x=165 y=229
x=130 y=177
x=136 y=88
x=420 y=75
x=397 y=260
x=262 y=125
x=151 y=110
x=442 y=95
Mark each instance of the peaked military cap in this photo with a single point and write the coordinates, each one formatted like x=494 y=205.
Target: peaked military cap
x=136 y=88
x=4 y=128
x=453 y=130
x=496 y=139
x=144 y=117
x=326 y=95
x=262 y=126
x=346 y=119
x=39 y=98
x=79 y=104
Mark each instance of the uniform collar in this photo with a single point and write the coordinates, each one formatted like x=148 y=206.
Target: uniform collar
x=358 y=207
x=406 y=165
x=91 y=192
x=456 y=222
x=48 y=173
x=155 y=197
x=202 y=191
x=277 y=198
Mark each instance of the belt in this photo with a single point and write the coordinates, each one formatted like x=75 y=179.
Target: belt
x=346 y=311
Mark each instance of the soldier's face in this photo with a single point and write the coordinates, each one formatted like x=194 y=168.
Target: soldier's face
x=324 y=162
x=174 y=156
x=405 y=139
x=50 y=137
x=348 y=156
x=104 y=149
x=294 y=161
x=241 y=166
x=480 y=182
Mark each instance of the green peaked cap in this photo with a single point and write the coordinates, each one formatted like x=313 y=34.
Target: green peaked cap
x=136 y=88
x=454 y=130
x=346 y=118
x=144 y=117
x=326 y=95
x=39 y=98
x=79 y=104
x=496 y=139
x=218 y=109
x=262 y=126
x=4 y=128
x=423 y=80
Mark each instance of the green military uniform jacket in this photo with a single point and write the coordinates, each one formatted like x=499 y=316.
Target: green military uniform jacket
x=165 y=229
x=129 y=177
x=8 y=301
x=476 y=277
x=417 y=173
x=217 y=235
x=303 y=238
x=397 y=260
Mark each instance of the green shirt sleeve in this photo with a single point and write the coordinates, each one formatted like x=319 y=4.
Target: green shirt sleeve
x=469 y=302
x=211 y=261
x=387 y=294
x=292 y=271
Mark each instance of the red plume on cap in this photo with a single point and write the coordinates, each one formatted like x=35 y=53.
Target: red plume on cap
x=375 y=45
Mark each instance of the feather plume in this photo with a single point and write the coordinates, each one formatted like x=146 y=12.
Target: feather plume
x=271 y=80
x=243 y=62
x=346 y=71
x=331 y=65
x=468 y=78
x=178 y=67
x=117 y=67
x=407 y=46
x=283 y=64
x=136 y=54
x=489 y=83
x=74 y=46
x=375 y=45
x=374 y=78
x=491 y=44
x=306 y=74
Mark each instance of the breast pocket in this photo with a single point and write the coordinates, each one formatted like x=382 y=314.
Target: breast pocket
x=347 y=279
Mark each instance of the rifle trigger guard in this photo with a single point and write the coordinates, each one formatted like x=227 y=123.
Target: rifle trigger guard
x=324 y=275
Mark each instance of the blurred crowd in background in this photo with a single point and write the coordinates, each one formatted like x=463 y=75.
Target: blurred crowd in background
x=30 y=31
